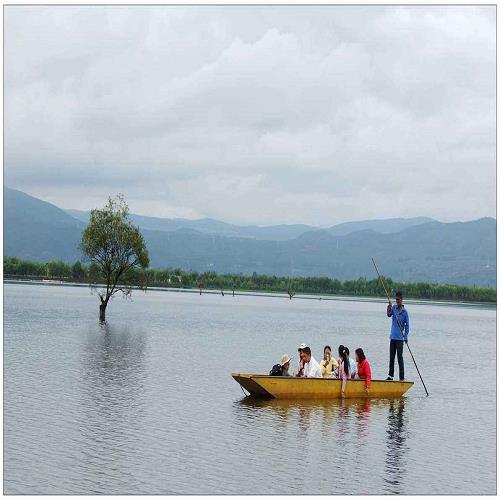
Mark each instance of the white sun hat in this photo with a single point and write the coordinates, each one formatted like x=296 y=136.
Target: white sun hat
x=285 y=359
x=302 y=346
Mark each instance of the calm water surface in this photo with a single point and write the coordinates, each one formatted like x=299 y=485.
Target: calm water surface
x=147 y=405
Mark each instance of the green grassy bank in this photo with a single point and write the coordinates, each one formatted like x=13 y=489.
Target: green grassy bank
x=81 y=273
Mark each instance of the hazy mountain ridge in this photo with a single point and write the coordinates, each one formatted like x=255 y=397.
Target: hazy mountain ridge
x=461 y=252
x=37 y=230
x=210 y=226
x=384 y=226
x=278 y=232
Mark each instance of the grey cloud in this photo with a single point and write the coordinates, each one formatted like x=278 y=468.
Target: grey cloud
x=254 y=114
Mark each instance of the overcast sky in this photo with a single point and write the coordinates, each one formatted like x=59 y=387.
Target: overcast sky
x=259 y=114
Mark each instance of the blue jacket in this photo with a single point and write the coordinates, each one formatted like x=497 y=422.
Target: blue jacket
x=402 y=316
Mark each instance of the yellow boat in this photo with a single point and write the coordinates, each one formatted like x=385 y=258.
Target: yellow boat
x=267 y=386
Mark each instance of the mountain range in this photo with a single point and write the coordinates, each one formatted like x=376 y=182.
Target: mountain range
x=281 y=232
x=416 y=249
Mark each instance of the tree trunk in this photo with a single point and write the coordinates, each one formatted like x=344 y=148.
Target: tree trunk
x=102 y=312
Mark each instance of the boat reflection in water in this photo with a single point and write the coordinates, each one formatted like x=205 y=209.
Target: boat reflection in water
x=329 y=411
x=359 y=445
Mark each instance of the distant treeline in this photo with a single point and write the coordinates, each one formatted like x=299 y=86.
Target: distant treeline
x=176 y=278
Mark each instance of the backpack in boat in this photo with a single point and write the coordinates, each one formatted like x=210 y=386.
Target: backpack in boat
x=276 y=371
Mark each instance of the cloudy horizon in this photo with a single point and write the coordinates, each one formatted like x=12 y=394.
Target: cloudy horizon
x=254 y=115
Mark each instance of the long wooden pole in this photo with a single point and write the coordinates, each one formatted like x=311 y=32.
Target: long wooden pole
x=400 y=326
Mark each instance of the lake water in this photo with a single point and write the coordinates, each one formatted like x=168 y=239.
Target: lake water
x=147 y=405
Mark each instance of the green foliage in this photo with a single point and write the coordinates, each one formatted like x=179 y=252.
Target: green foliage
x=58 y=269
x=116 y=247
x=77 y=271
x=176 y=278
x=94 y=273
x=17 y=267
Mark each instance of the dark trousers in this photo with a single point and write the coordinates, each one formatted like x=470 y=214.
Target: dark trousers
x=397 y=346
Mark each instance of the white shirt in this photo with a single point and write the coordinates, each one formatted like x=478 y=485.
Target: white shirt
x=312 y=369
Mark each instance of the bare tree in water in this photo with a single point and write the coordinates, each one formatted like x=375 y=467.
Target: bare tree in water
x=290 y=292
x=117 y=252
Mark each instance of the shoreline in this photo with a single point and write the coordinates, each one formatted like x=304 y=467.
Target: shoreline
x=250 y=293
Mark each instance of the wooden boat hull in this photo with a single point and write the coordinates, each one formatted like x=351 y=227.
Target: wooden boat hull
x=266 y=386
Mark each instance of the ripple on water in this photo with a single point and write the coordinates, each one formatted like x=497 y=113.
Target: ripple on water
x=147 y=405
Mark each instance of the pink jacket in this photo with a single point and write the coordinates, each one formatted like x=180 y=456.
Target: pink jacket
x=342 y=374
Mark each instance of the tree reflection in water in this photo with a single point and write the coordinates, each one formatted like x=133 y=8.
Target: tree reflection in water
x=112 y=400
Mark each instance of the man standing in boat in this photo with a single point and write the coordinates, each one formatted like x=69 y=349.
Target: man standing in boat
x=400 y=329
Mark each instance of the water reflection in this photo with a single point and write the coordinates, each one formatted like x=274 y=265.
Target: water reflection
x=351 y=425
x=112 y=365
x=89 y=411
x=330 y=410
x=330 y=414
x=396 y=447
x=111 y=400
x=363 y=408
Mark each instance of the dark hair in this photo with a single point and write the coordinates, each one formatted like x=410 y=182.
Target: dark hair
x=307 y=350
x=347 y=349
x=399 y=294
x=344 y=356
x=361 y=354
x=325 y=348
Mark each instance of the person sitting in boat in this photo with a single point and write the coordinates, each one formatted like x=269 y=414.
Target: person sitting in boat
x=352 y=365
x=364 y=370
x=344 y=371
x=328 y=363
x=311 y=366
x=300 y=367
x=285 y=365
x=281 y=369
